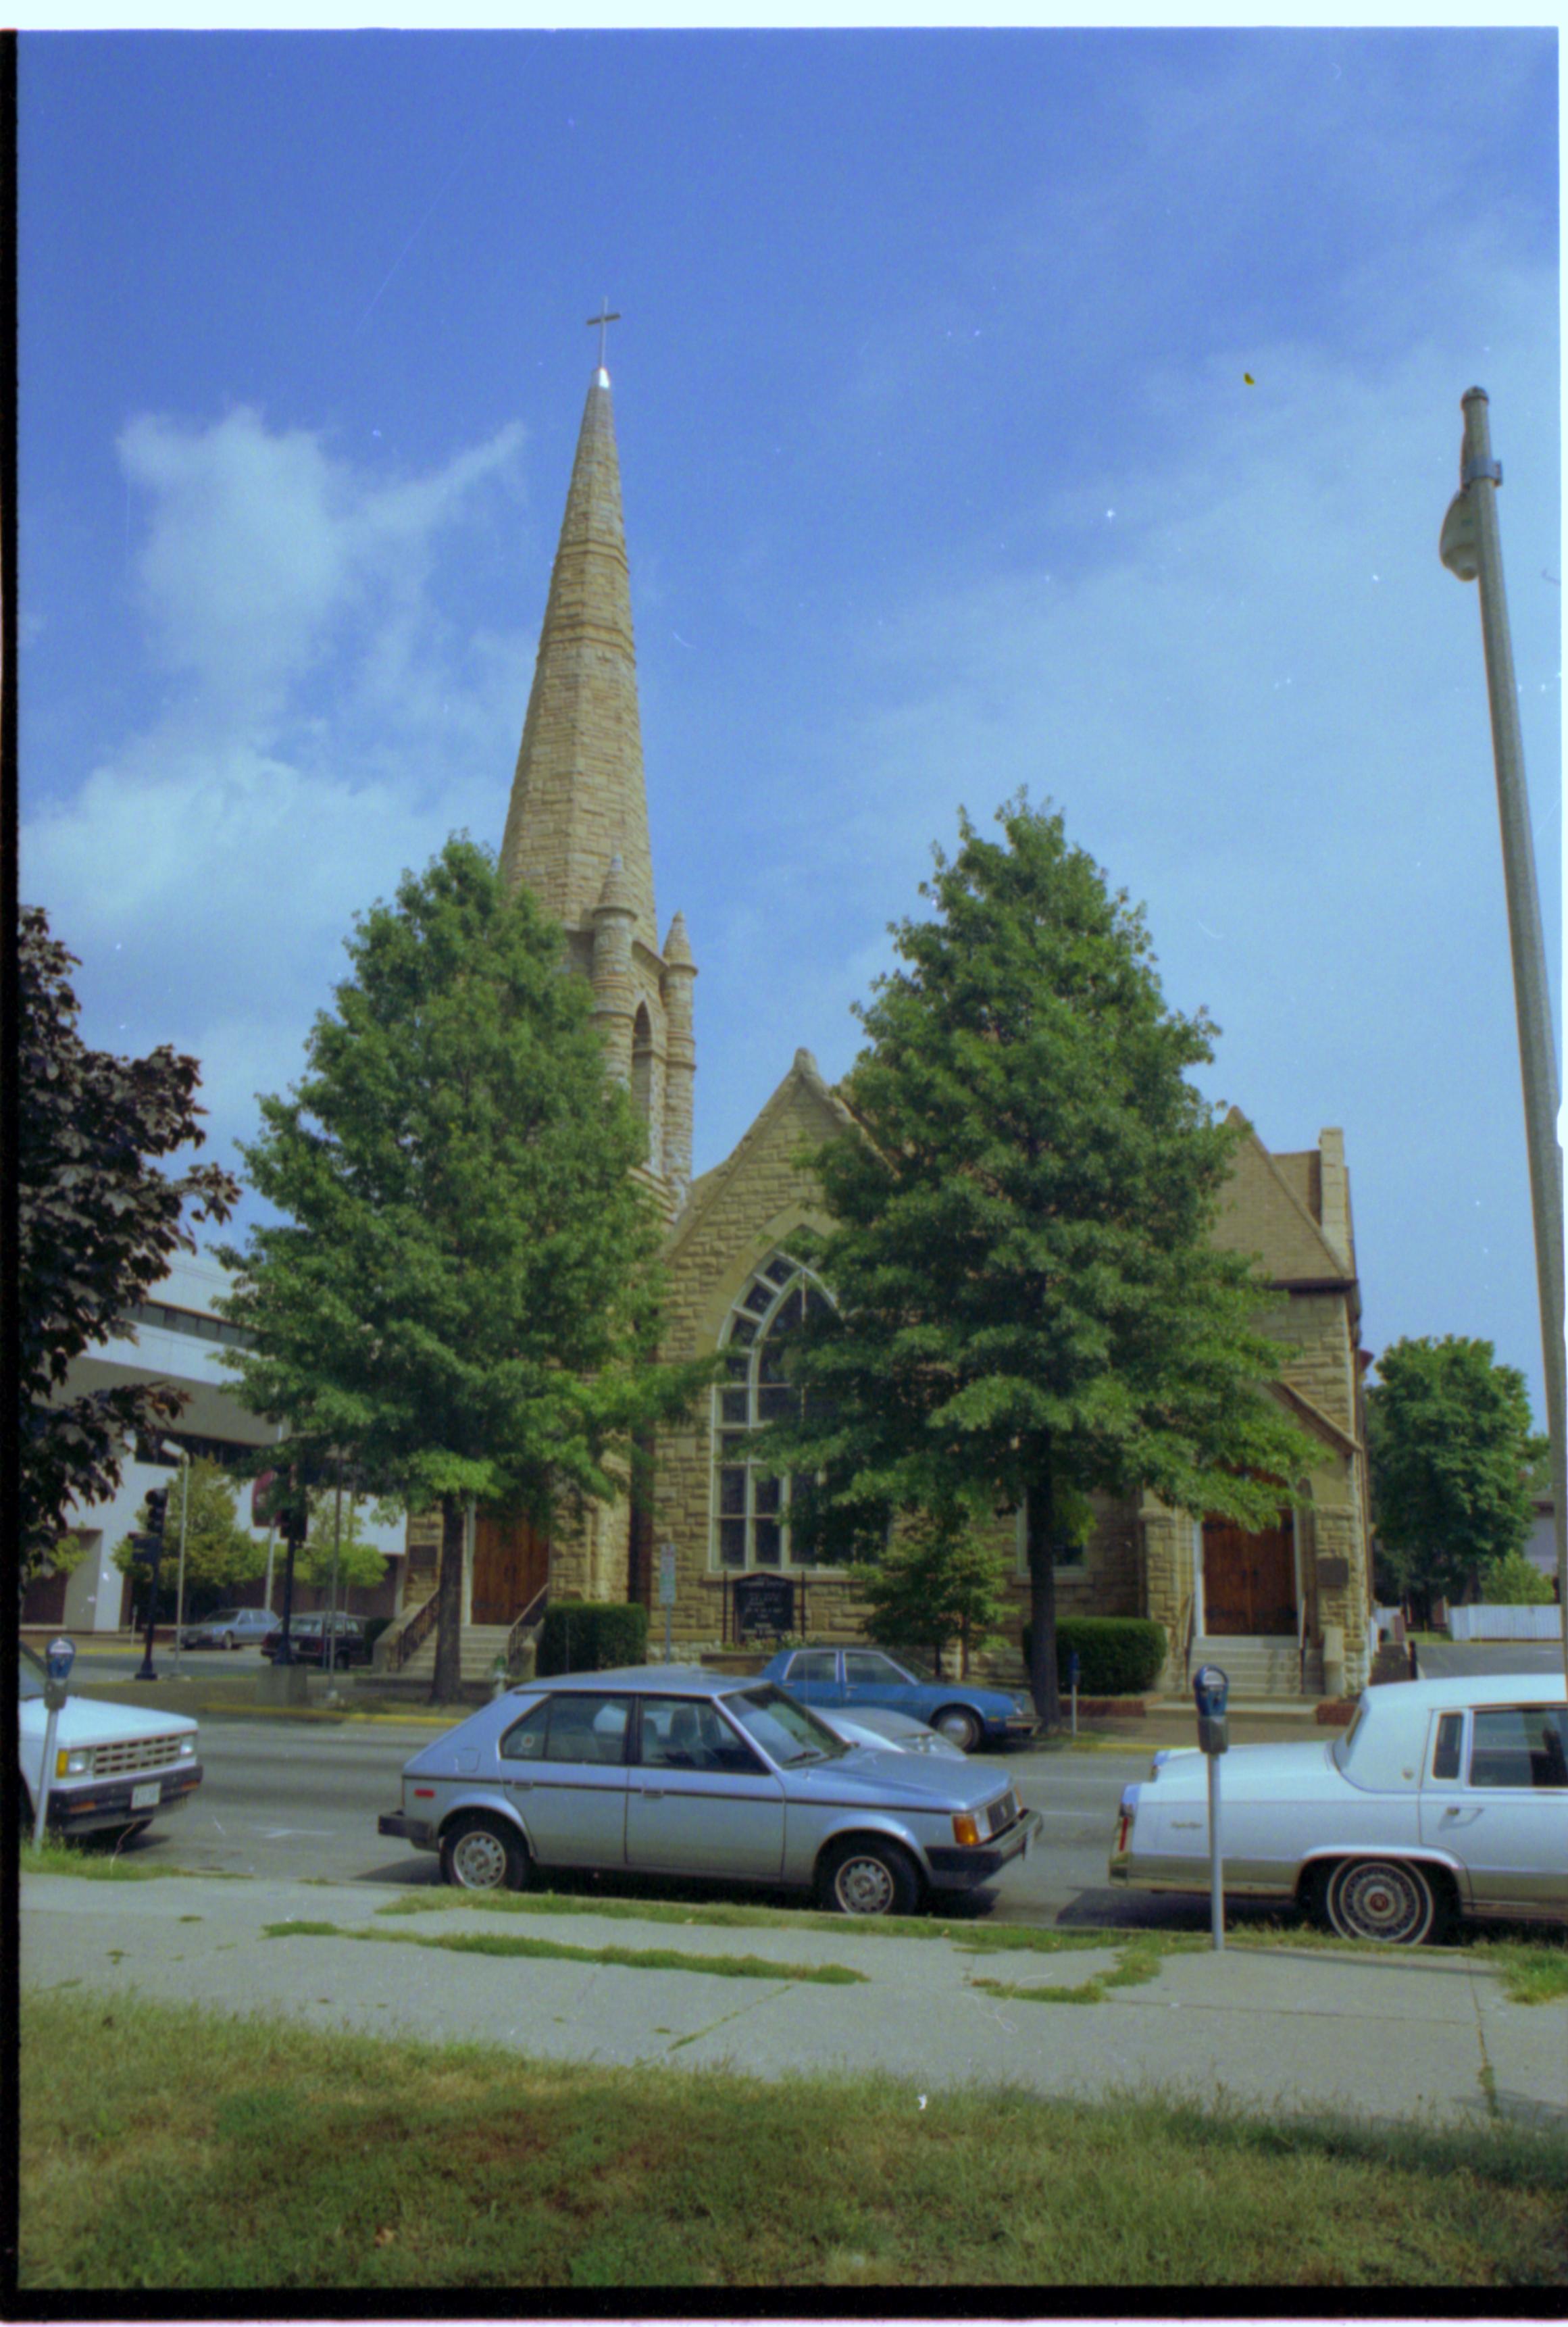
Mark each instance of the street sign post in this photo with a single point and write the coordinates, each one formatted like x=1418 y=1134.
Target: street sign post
x=667 y=1589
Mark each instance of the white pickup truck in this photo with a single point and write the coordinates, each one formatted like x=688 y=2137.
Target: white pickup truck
x=114 y=1765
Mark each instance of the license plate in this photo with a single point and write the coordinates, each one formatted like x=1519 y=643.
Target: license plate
x=146 y=1798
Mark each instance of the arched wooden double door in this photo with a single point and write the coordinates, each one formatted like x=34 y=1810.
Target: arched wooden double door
x=1249 y=1580
x=511 y=1562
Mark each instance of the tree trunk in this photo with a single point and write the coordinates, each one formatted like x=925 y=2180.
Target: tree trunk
x=447 y=1685
x=1040 y=1527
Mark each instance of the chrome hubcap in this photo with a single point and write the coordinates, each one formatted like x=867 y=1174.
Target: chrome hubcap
x=863 y=1886
x=1380 y=1903
x=480 y=1861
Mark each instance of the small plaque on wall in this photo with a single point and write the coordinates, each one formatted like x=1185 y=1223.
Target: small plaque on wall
x=764 y=1606
x=1333 y=1575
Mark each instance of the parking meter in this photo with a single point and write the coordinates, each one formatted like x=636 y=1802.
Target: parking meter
x=1212 y=1688
x=58 y=1660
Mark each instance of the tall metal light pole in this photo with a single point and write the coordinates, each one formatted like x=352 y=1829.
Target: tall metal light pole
x=1471 y=547
x=183 y=1454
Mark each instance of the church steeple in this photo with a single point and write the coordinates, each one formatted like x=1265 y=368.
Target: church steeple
x=578 y=796
x=576 y=828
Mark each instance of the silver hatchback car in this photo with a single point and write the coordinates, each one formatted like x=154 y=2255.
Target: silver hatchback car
x=669 y=1770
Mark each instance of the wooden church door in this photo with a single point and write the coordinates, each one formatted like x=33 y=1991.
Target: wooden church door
x=512 y=1562
x=1249 y=1581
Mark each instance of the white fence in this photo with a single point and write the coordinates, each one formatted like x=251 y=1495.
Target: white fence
x=1485 y=1622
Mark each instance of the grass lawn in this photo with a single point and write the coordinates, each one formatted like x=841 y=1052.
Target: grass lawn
x=165 y=2149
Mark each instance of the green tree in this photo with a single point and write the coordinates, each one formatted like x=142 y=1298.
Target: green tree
x=359 y=1562
x=220 y=1552
x=937 y=1581
x=1514 y=1582
x=1028 y=1302
x=98 y=1222
x=1451 y=1448
x=464 y=1288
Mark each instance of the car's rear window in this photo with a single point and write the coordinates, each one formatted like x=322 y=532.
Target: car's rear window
x=1344 y=1747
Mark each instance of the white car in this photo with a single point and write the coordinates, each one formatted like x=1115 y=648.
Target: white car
x=1442 y=1798
x=883 y=1729
x=115 y=1766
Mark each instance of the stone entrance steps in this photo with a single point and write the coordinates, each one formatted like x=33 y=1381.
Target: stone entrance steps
x=481 y=1644
x=1260 y=1666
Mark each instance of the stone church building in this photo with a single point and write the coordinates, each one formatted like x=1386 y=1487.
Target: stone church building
x=1286 y=1611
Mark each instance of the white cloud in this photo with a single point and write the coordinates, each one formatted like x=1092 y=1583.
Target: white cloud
x=331 y=730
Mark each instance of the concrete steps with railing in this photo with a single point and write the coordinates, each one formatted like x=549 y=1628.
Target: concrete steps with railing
x=1260 y=1666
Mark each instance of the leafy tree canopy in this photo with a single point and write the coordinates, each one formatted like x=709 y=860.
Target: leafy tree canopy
x=1028 y=1299
x=1514 y=1582
x=938 y=1581
x=97 y=1223
x=464 y=1287
x=343 y=1527
x=1452 y=1450
x=220 y=1550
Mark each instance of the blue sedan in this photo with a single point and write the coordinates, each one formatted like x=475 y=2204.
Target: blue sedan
x=849 y=1679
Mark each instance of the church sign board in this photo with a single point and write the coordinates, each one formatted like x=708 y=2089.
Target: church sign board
x=764 y=1606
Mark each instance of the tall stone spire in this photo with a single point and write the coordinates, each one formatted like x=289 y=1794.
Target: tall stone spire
x=578 y=797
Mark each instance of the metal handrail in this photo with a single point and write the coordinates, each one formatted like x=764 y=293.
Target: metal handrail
x=413 y=1635
x=531 y=1614
x=1302 y=1649
x=1188 y=1633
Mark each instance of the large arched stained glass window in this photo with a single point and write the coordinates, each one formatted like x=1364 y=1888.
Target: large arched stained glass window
x=752 y=1511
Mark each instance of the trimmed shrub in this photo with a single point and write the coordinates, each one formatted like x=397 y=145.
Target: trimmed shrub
x=1118 y=1656
x=592 y=1636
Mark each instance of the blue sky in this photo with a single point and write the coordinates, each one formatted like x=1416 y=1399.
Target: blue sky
x=942 y=476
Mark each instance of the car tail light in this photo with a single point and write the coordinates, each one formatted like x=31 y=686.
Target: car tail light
x=1123 y=1828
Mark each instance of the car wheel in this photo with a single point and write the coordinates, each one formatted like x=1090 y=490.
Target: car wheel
x=481 y=1854
x=229 y=1642
x=959 y=1726
x=869 y=1877
x=1387 y=1900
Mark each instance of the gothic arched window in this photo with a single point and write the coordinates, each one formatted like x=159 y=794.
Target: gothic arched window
x=752 y=1510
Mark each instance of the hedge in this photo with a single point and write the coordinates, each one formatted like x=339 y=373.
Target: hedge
x=1118 y=1656
x=590 y=1636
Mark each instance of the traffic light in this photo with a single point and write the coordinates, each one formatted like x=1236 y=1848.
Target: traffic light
x=157 y=1506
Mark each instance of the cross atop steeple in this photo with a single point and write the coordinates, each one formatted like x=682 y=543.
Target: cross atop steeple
x=603 y=318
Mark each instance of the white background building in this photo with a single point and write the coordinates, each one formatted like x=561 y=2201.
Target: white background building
x=178 y=1336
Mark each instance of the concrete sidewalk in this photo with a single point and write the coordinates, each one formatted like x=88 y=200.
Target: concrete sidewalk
x=1427 y=2037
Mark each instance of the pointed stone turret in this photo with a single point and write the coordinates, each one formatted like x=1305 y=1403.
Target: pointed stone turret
x=681 y=1059
x=578 y=796
x=614 y=984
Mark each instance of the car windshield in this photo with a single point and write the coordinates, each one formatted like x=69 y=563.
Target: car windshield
x=785 y=1731
x=29 y=1682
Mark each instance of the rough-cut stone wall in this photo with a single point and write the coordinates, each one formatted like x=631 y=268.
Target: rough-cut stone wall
x=752 y=1208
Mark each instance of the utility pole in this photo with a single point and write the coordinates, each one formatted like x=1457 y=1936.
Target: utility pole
x=1472 y=548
